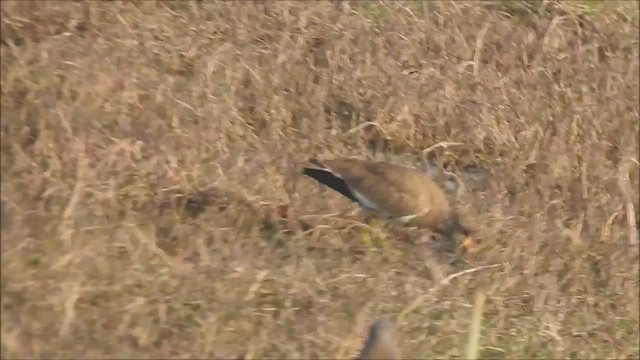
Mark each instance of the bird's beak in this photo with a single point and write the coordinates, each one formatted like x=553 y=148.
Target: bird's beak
x=468 y=244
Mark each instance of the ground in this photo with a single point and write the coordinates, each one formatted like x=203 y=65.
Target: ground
x=153 y=206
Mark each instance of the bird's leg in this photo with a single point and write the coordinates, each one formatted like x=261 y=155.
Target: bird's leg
x=366 y=238
x=380 y=235
x=373 y=236
x=366 y=235
x=380 y=239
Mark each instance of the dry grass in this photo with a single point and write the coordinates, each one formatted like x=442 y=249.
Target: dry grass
x=152 y=205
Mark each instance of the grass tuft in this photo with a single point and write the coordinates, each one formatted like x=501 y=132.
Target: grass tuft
x=152 y=203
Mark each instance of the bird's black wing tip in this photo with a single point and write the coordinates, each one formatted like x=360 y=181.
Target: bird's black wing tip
x=327 y=178
x=308 y=171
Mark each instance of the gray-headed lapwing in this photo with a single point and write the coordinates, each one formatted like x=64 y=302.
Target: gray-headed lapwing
x=395 y=192
x=380 y=342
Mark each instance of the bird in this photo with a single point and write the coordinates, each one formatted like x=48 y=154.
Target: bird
x=399 y=193
x=380 y=342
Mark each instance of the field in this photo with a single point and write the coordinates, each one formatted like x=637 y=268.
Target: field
x=153 y=205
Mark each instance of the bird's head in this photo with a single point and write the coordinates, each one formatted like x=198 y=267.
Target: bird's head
x=459 y=231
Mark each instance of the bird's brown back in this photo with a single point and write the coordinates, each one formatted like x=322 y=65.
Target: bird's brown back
x=399 y=190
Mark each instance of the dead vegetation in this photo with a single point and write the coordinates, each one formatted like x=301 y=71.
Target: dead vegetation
x=152 y=204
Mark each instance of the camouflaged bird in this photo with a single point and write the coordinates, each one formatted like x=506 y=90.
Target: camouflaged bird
x=380 y=342
x=392 y=191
